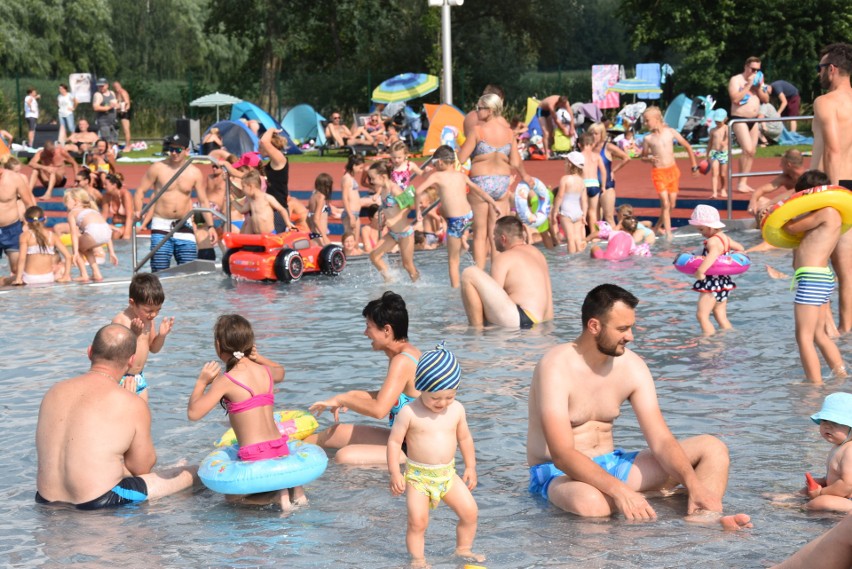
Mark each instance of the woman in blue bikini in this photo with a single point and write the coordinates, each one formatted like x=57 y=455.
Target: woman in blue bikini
x=493 y=154
x=387 y=328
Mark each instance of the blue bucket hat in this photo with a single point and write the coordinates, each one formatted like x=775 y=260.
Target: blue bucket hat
x=437 y=370
x=836 y=408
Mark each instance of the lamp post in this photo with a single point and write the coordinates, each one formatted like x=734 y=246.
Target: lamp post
x=446 y=47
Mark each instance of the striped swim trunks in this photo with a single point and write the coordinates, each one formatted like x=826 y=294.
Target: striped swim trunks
x=814 y=285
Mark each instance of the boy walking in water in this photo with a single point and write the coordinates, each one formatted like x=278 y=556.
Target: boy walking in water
x=658 y=148
x=717 y=153
x=815 y=281
x=452 y=188
x=146 y=300
x=432 y=427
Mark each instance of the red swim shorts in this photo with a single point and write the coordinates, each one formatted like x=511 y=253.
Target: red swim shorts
x=666 y=179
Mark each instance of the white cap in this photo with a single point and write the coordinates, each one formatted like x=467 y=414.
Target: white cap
x=577 y=159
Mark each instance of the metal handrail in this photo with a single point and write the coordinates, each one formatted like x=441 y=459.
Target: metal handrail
x=731 y=174
x=226 y=216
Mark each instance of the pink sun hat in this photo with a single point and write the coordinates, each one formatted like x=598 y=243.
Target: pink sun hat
x=707 y=216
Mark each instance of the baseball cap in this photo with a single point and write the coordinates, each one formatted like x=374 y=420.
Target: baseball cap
x=248 y=159
x=177 y=139
x=577 y=159
x=102 y=81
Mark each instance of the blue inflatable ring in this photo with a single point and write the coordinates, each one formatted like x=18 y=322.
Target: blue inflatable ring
x=223 y=472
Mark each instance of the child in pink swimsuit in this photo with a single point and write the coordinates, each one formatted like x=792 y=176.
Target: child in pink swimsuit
x=245 y=390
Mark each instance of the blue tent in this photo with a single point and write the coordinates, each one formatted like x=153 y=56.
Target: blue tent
x=678 y=112
x=250 y=111
x=303 y=123
x=237 y=137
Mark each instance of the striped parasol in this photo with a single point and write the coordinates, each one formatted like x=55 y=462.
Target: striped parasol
x=404 y=87
x=634 y=87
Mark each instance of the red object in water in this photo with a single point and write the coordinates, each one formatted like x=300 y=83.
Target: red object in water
x=812 y=484
x=284 y=257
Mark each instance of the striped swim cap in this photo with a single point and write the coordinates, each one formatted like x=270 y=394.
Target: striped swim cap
x=437 y=370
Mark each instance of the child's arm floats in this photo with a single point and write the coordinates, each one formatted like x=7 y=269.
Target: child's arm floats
x=395 y=439
x=201 y=403
x=418 y=194
x=467 y=451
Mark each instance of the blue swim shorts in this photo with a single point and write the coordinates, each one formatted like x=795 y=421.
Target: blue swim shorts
x=456 y=226
x=814 y=285
x=617 y=463
x=141 y=384
x=10 y=236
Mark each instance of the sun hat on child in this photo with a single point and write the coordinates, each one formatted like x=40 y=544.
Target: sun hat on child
x=577 y=159
x=437 y=370
x=707 y=216
x=836 y=408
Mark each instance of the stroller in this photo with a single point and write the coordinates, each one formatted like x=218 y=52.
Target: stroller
x=407 y=122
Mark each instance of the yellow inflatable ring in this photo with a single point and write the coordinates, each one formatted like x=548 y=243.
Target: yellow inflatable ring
x=800 y=203
x=295 y=424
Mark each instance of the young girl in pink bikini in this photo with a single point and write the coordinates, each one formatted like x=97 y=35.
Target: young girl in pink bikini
x=245 y=390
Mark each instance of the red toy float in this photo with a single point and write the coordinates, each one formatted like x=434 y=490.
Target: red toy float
x=284 y=257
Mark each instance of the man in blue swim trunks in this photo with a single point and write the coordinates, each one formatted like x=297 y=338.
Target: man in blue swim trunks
x=94 y=438
x=13 y=187
x=576 y=394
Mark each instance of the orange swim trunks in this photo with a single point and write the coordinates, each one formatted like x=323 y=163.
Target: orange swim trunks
x=666 y=179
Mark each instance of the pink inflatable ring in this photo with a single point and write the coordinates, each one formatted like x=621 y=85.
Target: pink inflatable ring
x=731 y=264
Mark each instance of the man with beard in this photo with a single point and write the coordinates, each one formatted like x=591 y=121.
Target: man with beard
x=833 y=153
x=576 y=394
x=517 y=293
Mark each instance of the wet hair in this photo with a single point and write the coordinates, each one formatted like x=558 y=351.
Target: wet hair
x=389 y=310
x=354 y=160
x=812 y=179
x=491 y=89
x=600 y=300
x=233 y=333
x=145 y=288
x=252 y=178
x=113 y=343
x=586 y=140
x=493 y=102
x=116 y=179
x=445 y=153
x=510 y=226
x=324 y=184
x=793 y=157
x=840 y=56
x=34 y=216
x=399 y=146
x=629 y=224
x=382 y=167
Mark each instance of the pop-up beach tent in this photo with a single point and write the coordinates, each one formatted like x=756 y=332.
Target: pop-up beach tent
x=446 y=126
x=303 y=123
x=236 y=136
x=250 y=111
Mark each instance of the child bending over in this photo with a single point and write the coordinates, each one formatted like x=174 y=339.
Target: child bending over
x=432 y=427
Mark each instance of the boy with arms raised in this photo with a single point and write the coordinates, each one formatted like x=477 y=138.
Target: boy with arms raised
x=658 y=148
x=451 y=185
x=432 y=427
x=146 y=300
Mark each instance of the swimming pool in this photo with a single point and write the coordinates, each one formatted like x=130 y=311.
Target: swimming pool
x=743 y=386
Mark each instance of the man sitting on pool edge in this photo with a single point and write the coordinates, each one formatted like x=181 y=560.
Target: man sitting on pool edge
x=576 y=394
x=93 y=437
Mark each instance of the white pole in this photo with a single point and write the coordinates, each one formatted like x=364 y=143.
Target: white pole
x=447 y=49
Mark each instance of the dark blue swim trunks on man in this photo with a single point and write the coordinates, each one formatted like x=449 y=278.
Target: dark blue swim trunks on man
x=617 y=463
x=10 y=236
x=130 y=490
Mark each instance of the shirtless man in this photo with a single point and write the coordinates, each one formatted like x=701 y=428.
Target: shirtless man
x=12 y=188
x=82 y=140
x=833 y=153
x=517 y=293
x=173 y=204
x=48 y=167
x=549 y=122
x=336 y=131
x=93 y=437
x=576 y=394
x=747 y=92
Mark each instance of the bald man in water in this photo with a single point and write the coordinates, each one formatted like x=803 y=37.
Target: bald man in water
x=833 y=153
x=93 y=437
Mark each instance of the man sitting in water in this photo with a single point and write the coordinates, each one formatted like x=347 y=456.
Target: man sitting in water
x=576 y=394
x=517 y=293
x=94 y=438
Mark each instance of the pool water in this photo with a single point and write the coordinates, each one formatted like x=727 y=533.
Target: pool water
x=743 y=386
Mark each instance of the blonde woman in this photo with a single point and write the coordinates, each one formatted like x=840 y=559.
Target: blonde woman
x=88 y=230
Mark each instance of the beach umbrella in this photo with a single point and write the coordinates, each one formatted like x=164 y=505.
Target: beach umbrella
x=217 y=100
x=634 y=86
x=404 y=87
